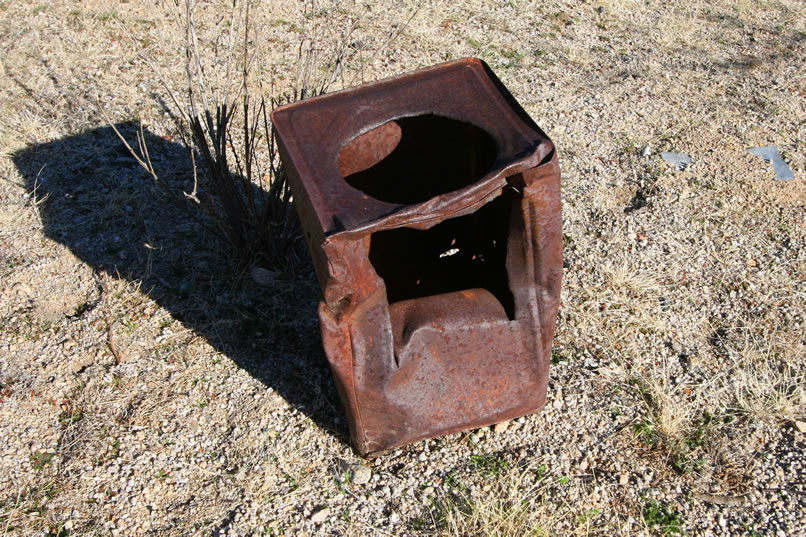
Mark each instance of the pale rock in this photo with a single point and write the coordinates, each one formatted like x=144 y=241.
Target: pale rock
x=263 y=276
x=77 y=365
x=360 y=474
x=320 y=516
x=23 y=289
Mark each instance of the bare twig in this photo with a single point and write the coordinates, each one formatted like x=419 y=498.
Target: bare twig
x=144 y=160
x=721 y=499
x=790 y=491
x=194 y=61
x=110 y=339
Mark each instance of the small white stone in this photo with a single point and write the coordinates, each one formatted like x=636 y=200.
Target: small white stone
x=320 y=516
x=501 y=427
x=360 y=474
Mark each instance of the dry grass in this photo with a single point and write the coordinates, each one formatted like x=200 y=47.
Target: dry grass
x=513 y=503
x=768 y=381
x=512 y=507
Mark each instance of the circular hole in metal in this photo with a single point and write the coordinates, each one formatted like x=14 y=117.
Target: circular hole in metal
x=412 y=159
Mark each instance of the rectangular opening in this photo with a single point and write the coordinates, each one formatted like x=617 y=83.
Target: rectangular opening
x=462 y=253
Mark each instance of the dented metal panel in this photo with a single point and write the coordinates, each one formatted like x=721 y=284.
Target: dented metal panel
x=431 y=205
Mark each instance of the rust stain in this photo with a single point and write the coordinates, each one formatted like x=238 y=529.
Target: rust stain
x=431 y=204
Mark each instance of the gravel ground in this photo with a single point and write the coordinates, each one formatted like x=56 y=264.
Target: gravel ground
x=150 y=386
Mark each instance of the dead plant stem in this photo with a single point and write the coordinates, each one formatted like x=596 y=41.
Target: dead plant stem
x=110 y=338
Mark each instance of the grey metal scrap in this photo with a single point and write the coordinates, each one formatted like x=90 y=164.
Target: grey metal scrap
x=678 y=160
x=770 y=154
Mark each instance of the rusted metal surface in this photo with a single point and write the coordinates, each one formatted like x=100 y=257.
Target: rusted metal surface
x=431 y=205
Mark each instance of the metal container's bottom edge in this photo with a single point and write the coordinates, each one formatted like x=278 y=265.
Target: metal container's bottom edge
x=434 y=371
x=370 y=453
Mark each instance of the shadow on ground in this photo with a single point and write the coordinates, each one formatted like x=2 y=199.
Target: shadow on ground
x=94 y=198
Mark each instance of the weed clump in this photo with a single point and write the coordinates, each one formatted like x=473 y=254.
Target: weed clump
x=223 y=120
x=662 y=519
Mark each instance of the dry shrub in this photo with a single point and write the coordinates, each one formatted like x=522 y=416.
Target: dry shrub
x=223 y=118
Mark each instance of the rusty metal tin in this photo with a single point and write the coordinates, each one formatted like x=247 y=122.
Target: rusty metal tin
x=431 y=205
